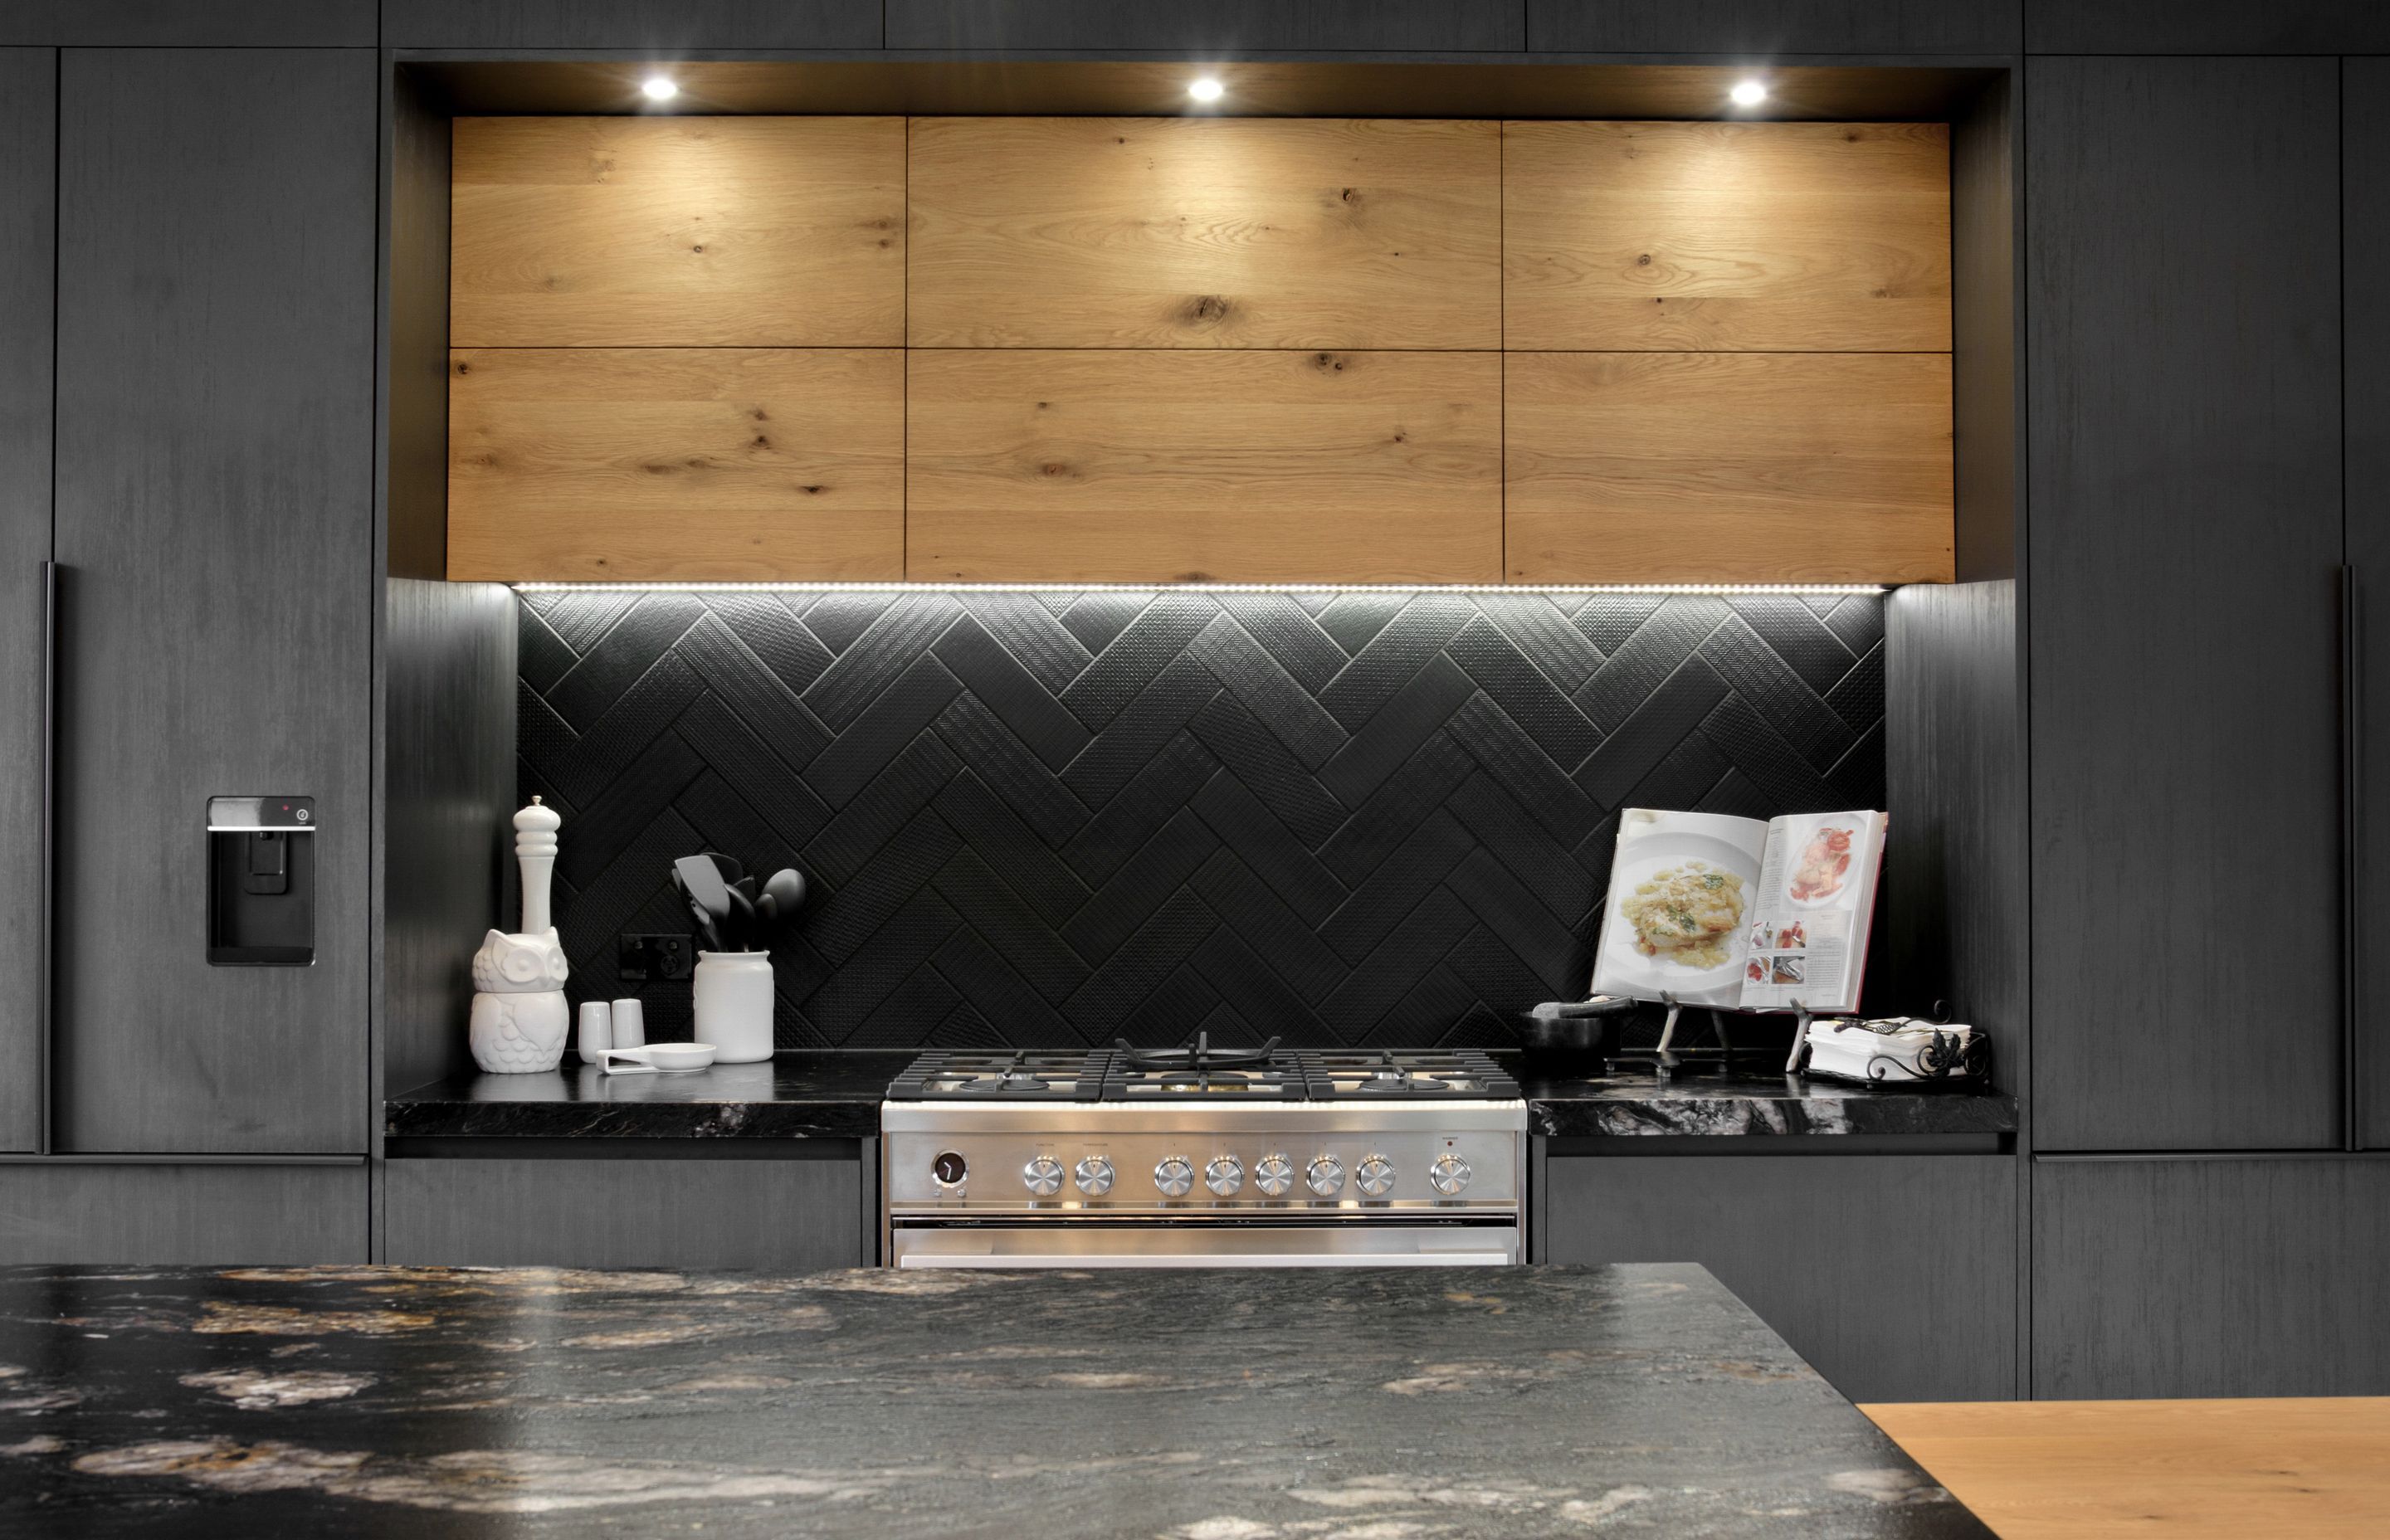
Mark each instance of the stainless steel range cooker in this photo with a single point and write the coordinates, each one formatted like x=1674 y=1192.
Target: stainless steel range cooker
x=1203 y=1157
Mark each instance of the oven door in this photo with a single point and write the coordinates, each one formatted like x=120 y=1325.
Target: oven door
x=1097 y=1243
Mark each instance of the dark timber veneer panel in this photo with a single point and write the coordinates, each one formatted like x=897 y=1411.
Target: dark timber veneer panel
x=2365 y=236
x=2184 y=348
x=61 y=1213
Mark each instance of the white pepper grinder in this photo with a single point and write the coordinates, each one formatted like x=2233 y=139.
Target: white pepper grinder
x=535 y=830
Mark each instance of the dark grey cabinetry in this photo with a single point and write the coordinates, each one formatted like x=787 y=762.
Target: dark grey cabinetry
x=67 y=1213
x=214 y=516
x=2365 y=236
x=2210 y=1277
x=2182 y=305
x=1430 y=26
x=189 y=23
x=2205 y=27
x=1896 y=1278
x=1763 y=29
x=660 y=25
x=28 y=238
x=777 y=1214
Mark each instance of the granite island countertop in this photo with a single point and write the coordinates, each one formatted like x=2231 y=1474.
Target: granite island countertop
x=1193 y=1406
x=836 y=1095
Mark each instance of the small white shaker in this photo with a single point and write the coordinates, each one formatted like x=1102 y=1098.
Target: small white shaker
x=596 y=1032
x=630 y=1024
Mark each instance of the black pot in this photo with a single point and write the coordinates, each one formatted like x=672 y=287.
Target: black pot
x=1577 y=1030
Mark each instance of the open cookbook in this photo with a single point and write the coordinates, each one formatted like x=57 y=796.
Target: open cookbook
x=1739 y=914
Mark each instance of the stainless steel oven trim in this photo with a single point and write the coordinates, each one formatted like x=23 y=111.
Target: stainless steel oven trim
x=1080 y=1246
x=1106 y=1117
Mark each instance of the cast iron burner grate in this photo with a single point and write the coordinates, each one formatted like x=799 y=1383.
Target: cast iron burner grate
x=993 y=1076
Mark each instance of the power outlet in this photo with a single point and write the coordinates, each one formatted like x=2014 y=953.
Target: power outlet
x=644 y=957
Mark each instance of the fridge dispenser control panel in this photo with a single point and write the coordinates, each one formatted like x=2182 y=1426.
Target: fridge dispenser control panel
x=262 y=882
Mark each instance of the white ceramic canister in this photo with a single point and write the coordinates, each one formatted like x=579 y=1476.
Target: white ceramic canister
x=734 y=1004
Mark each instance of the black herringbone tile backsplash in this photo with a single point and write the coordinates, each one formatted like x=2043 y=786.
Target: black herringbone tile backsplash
x=1052 y=817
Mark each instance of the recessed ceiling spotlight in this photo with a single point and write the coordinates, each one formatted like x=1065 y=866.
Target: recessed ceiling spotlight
x=1747 y=93
x=656 y=88
x=1206 y=89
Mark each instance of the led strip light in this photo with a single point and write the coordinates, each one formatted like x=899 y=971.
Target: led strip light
x=1724 y=589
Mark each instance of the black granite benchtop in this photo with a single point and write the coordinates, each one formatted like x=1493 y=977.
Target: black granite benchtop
x=1192 y=1406
x=836 y=1096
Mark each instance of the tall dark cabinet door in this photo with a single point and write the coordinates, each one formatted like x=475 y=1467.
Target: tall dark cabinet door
x=216 y=229
x=28 y=238
x=2365 y=245
x=2184 y=532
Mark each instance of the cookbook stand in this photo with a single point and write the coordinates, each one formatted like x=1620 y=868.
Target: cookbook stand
x=1724 y=1055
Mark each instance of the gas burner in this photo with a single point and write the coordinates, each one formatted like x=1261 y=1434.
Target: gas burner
x=1002 y=1076
x=1194 y=1057
x=1013 y=1082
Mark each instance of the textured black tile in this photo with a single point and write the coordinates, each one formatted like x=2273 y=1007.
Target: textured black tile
x=1796 y=634
x=1412 y=796
x=1395 y=655
x=1423 y=1013
x=1257 y=991
x=627 y=651
x=1029 y=634
x=1525 y=694
x=837 y=617
x=1269 y=691
x=1289 y=635
x=883 y=807
x=1735 y=796
x=844 y=923
x=1102 y=1005
x=1689 y=771
x=1542 y=630
x=1657 y=725
x=1521 y=768
x=1136 y=658
x=1857 y=696
x=1135 y=734
x=881 y=730
x=1012 y=850
x=1608 y=619
x=616 y=818
x=1858 y=778
x=773 y=633
x=1160 y=868
x=873 y=660
x=781 y=795
x=584 y=615
x=1005 y=685
x=1767 y=683
x=964 y=1028
x=541 y=657
x=993 y=981
x=1173 y=1013
x=1001 y=917
x=1395 y=886
x=887 y=959
x=752 y=692
x=1400 y=961
x=1752 y=745
x=729 y=823
x=1355 y=619
x=637 y=718
x=1261 y=759
x=1859 y=620
x=1640 y=664
x=627 y=883
x=1168 y=782
x=1248 y=906
x=1394 y=733
x=1492 y=969
x=542 y=739
x=1503 y=905
x=916 y=1009
x=1010 y=770
x=1525 y=848
x=1096 y=618
x=1480 y=1028
x=1254 y=833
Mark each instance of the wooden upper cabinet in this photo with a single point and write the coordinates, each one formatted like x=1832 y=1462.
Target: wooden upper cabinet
x=1707 y=237
x=1205 y=232
x=676 y=464
x=1164 y=466
x=1728 y=468
x=677 y=232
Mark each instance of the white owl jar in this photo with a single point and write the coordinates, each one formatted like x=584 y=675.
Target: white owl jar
x=520 y=1018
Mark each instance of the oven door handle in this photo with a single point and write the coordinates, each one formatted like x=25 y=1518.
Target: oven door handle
x=993 y=1259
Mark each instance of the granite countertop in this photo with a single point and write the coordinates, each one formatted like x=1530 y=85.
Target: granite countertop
x=1192 y=1405
x=836 y=1096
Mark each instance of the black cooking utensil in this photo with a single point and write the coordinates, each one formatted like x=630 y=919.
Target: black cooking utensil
x=786 y=889
x=740 y=932
x=731 y=871
x=706 y=890
x=708 y=935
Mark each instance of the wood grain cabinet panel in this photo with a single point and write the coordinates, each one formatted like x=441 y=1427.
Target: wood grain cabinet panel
x=1205 y=232
x=1153 y=467
x=679 y=232
x=61 y=1213
x=676 y=464
x=1728 y=468
x=1707 y=237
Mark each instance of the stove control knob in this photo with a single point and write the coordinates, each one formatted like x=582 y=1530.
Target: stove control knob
x=1376 y=1177
x=1325 y=1176
x=949 y=1169
x=1043 y=1176
x=1173 y=1175
x=1449 y=1175
x=1093 y=1176
x=1225 y=1176
x=1275 y=1175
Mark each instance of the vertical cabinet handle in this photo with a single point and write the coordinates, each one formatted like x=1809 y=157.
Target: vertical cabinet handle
x=46 y=1028
x=2352 y=931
